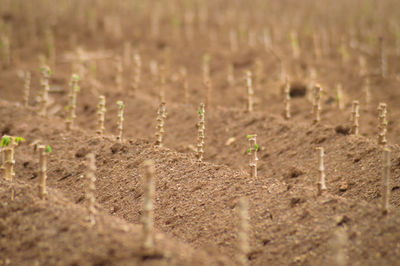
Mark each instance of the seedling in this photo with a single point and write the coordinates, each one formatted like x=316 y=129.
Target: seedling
x=233 y=38
x=91 y=187
x=5 y=51
x=137 y=70
x=7 y=144
x=121 y=107
x=386 y=179
x=355 y=113
x=382 y=127
x=294 y=43
x=321 y=186
x=230 y=78
x=44 y=82
x=250 y=91
x=51 y=48
x=162 y=84
x=312 y=80
x=44 y=151
x=252 y=151
x=243 y=231
x=367 y=92
x=286 y=99
x=119 y=71
x=209 y=90
x=206 y=68
x=200 y=132
x=127 y=54
x=148 y=215
x=317 y=103
x=185 y=85
x=384 y=66
x=101 y=111
x=161 y=116
x=339 y=96
x=27 y=87
x=363 y=65
x=71 y=108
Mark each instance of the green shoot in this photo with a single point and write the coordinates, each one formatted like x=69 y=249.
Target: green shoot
x=48 y=149
x=19 y=139
x=5 y=140
x=249 y=136
x=255 y=147
x=121 y=104
x=199 y=111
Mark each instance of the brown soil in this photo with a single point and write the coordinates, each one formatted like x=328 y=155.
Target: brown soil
x=195 y=215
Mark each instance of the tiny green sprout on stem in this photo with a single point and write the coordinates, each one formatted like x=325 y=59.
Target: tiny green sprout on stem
x=121 y=104
x=5 y=140
x=255 y=147
x=45 y=71
x=199 y=111
x=48 y=149
x=249 y=136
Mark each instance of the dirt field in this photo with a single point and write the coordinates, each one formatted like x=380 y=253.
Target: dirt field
x=195 y=203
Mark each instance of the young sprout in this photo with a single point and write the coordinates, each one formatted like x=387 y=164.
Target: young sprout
x=251 y=38
x=91 y=187
x=355 y=113
x=137 y=70
x=259 y=72
x=339 y=96
x=206 y=68
x=162 y=84
x=382 y=127
x=148 y=215
x=294 y=43
x=233 y=39
x=363 y=65
x=252 y=151
x=386 y=181
x=161 y=116
x=27 y=87
x=201 y=125
x=119 y=71
x=51 y=48
x=44 y=82
x=367 y=92
x=127 y=54
x=343 y=50
x=250 y=91
x=286 y=99
x=243 y=231
x=317 y=103
x=185 y=85
x=321 y=168
x=44 y=151
x=7 y=144
x=121 y=107
x=101 y=111
x=384 y=66
x=71 y=109
x=5 y=51
x=317 y=46
x=267 y=39
x=230 y=78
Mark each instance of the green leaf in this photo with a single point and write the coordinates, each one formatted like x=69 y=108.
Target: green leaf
x=199 y=111
x=255 y=147
x=249 y=136
x=77 y=88
x=19 y=139
x=5 y=140
x=48 y=149
x=76 y=77
x=248 y=150
x=121 y=104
